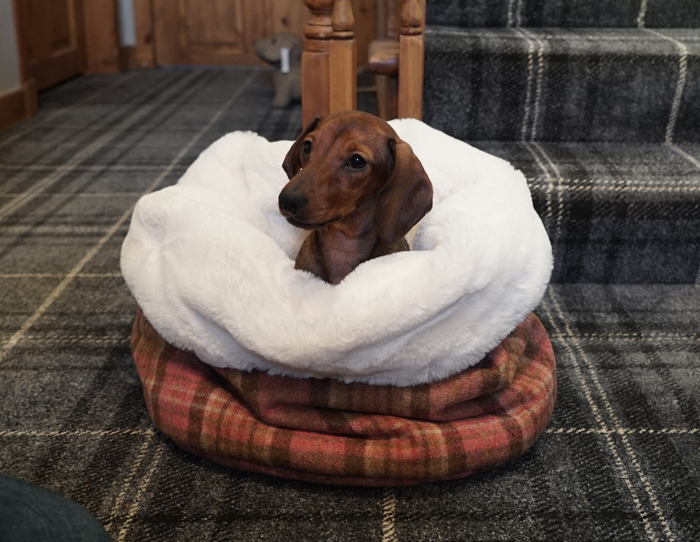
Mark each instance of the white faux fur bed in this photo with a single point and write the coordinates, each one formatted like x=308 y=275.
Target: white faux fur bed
x=211 y=263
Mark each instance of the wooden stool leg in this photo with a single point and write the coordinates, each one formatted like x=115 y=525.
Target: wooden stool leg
x=383 y=96
x=394 y=98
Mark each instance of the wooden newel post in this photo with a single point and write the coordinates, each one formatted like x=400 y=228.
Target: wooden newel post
x=343 y=59
x=318 y=32
x=411 y=54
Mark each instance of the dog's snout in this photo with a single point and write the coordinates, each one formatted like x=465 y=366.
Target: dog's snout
x=292 y=202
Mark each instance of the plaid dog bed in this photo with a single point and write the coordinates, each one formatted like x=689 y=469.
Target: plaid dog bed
x=326 y=431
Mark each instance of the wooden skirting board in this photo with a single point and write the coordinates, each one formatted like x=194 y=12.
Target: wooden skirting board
x=103 y=53
x=18 y=105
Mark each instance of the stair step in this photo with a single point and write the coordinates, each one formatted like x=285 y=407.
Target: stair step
x=564 y=13
x=615 y=213
x=556 y=84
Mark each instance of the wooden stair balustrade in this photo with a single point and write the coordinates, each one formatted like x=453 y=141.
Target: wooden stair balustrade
x=411 y=58
x=397 y=61
x=343 y=59
x=315 y=89
x=329 y=60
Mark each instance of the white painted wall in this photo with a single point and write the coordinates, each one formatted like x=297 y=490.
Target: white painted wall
x=9 y=57
x=127 y=23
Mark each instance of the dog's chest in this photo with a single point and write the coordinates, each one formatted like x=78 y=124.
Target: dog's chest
x=346 y=253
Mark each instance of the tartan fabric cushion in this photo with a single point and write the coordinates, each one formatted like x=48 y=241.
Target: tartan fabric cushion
x=326 y=431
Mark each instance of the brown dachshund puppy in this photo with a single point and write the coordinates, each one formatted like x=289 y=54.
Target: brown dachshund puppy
x=358 y=187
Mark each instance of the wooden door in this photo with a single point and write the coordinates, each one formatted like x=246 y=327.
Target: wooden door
x=210 y=32
x=52 y=38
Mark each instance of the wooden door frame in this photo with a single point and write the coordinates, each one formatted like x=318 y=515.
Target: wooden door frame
x=143 y=54
x=22 y=103
x=20 y=39
x=49 y=76
x=103 y=52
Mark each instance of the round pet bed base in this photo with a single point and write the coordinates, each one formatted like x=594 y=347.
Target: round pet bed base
x=331 y=432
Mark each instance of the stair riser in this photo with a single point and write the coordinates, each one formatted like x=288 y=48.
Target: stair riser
x=563 y=86
x=639 y=249
x=564 y=13
x=614 y=213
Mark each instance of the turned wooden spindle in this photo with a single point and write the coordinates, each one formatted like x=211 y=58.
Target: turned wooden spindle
x=343 y=59
x=392 y=19
x=318 y=32
x=411 y=55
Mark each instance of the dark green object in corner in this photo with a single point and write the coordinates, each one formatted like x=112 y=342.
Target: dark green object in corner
x=29 y=513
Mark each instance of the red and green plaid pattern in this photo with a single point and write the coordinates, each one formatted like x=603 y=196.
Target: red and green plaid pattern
x=326 y=431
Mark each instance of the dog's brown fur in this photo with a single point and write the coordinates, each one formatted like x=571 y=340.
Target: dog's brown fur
x=355 y=214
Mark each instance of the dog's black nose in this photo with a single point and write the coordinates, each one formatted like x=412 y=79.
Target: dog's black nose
x=292 y=202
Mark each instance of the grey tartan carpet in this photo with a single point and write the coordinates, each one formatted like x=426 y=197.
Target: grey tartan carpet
x=620 y=460
x=615 y=213
x=565 y=13
x=602 y=113
x=564 y=84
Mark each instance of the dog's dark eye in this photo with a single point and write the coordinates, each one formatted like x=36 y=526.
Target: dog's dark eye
x=357 y=162
x=306 y=147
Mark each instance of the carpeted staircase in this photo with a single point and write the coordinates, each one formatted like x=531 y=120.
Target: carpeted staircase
x=599 y=104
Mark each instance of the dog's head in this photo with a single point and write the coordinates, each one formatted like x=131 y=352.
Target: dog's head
x=269 y=48
x=349 y=159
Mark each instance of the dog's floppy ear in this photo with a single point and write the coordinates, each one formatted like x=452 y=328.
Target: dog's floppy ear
x=406 y=197
x=292 y=162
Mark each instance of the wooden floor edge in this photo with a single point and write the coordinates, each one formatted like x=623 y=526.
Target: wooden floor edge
x=18 y=105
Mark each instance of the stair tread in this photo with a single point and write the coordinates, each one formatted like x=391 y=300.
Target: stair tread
x=569 y=13
x=570 y=40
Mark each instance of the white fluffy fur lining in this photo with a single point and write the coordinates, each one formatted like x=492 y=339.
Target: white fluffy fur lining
x=211 y=263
